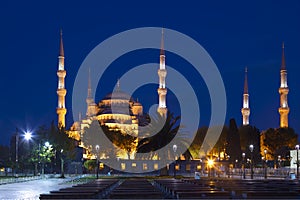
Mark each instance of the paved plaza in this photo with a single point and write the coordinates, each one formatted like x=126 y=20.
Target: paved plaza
x=31 y=189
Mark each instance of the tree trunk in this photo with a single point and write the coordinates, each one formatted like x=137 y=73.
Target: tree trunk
x=62 y=169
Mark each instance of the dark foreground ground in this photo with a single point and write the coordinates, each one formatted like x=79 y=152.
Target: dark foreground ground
x=151 y=188
x=142 y=188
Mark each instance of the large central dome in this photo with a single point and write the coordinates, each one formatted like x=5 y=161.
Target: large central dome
x=118 y=94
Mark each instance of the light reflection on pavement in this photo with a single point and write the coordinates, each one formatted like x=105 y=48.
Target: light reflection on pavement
x=31 y=189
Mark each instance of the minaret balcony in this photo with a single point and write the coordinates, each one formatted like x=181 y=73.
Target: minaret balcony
x=162 y=72
x=61 y=111
x=283 y=90
x=245 y=111
x=61 y=73
x=162 y=91
x=61 y=92
x=283 y=110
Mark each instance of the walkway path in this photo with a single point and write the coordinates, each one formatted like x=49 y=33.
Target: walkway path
x=31 y=189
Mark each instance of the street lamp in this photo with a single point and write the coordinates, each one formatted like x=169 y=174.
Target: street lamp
x=97 y=160
x=279 y=161
x=46 y=146
x=297 y=153
x=175 y=149
x=265 y=163
x=251 y=147
x=210 y=164
x=243 y=165
x=27 y=136
x=62 y=171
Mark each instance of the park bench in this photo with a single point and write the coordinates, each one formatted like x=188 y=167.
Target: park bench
x=136 y=189
x=61 y=195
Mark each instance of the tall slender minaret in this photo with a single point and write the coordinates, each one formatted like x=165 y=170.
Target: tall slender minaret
x=61 y=91
x=162 y=73
x=91 y=105
x=246 y=109
x=283 y=91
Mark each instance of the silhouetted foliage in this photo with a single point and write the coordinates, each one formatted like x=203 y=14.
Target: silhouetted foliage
x=250 y=135
x=4 y=156
x=200 y=149
x=62 y=143
x=197 y=142
x=109 y=141
x=233 y=146
x=221 y=144
x=166 y=128
x=279 y=141
x=90 y=165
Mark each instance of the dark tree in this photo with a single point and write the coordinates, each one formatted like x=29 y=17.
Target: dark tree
x=64 y=147
x=221 y=144
x=233 y=149
x=198 y=141
x=163 y=135
x=109 y=141
x=279 y=141
x=4 y=156
x=250 y=135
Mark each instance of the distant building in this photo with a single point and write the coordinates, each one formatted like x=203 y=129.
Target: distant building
x=293 y=156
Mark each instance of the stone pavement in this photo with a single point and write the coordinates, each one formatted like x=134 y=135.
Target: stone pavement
x=32 y=189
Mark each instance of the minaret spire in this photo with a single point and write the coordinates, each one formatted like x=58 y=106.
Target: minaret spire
x=283 y=91
x=246 y=81
x=162 y=73
x=61 y=91
x=91 y=106
x=283 y=66
x=246 y=109
x=162 y=46
x=61 y=46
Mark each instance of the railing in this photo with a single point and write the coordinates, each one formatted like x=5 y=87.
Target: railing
x=18 y=180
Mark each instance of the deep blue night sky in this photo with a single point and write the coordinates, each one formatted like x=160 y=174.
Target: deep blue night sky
x=235 y=34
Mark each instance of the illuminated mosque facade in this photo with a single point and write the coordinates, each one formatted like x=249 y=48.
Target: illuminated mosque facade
x=125 y=121
x=118 y=110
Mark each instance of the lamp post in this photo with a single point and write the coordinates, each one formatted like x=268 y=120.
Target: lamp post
x=175 y=149
x=27 y=136
x=243 y=165
x=62 y=171
x=265 y=163
x=45 y=148
x=279 y=161
x=97 y=160
x=17 y=152
x=297 y=154
x=251 y=147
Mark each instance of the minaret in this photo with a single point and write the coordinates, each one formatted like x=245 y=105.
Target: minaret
x=61 y=91
x=246 y=110
x=283 y=91
x=162 y=73
x=91 y=106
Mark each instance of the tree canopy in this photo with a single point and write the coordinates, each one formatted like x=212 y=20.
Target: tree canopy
x=278 y=141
